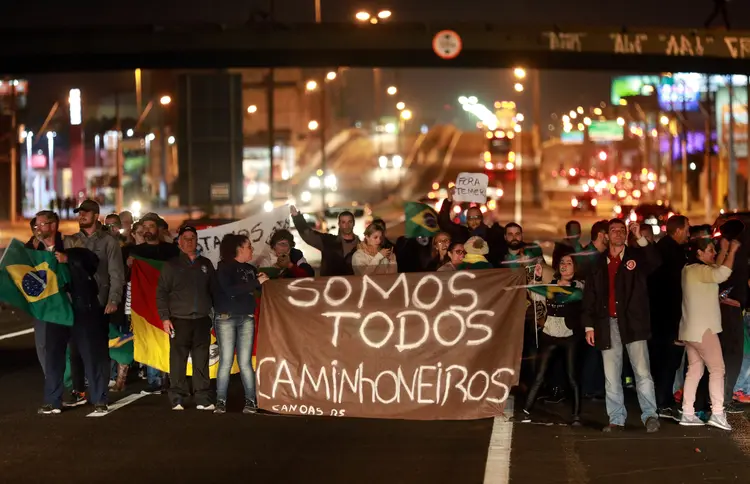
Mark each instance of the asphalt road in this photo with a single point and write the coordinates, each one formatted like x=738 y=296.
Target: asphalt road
x=144 y=441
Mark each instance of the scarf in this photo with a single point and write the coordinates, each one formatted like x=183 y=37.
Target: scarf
x=474 y=258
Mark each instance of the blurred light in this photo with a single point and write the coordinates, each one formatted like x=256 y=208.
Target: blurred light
x=384 y=14
x=362 y=16
x=512 y=156
x=581 y=127
x=613 y=190
x=330 y=181
x=664 y=120
x=319 y=172
x=574 y=202
x=406 y=114
x=151 y=136
x=435 y=186
x=74 y=99
x=613 y=179
x=499 y=134
x=331 y=76
x=171 y=140
x=598 y=111
x=587 y=121
x=520 y=117
x=594 y=202
x=519 y=72
x=603 y=157
x=135 y=208
x=518 y=87
x=628 y=175
x=622 y=194
x=461 y=100
x=510 y=135
x=456 y=209
x=591 y=182
x=400 y=105
x=572 y=172
x=509 y=166
x=129 y=133
x=621 y=121
x=623 y=102
x=580 y=109
x=585 y=188
x=636 y=194
x=488 y=165
x=566 y=119
x=383 y=161
x=618 y=209
x=252 y=109
x=392 y=90
x=390 y=128
x=499 y=192
x=487 y=156
x=264 y=188
x=268 y=206
x=165 y=100
x=431 y=195
x=473 y=100
x=306 y=196
x=651 y=186
x=654 y=133
x=314 y=182
x=693 y=166
x=488 y=135
x=483 y=209
x=492 y=205
x=311 y=85
x=573 y=115
x=451 y=185
x=397 y=161
x=312 y=125
x=285 y=174
x=517 y=128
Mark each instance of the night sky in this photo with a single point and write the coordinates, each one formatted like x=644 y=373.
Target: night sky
x=425 y=90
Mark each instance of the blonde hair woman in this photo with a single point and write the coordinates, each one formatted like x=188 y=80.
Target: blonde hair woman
x=370 y=258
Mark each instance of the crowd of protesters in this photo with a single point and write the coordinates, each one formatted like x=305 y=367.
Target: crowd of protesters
x=651 y=316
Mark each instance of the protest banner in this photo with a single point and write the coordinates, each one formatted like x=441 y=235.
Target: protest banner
x=471 y=187
x=420 y=346
x=258 y=228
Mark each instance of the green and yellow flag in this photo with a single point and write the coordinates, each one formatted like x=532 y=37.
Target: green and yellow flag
x=561 y=294
x=33 y=281
x=421 y=220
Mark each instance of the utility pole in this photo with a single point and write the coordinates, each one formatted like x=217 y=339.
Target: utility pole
x=536 y=136
x=118 y=156
x=323 y=122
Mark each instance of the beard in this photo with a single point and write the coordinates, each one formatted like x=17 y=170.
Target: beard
x=87 y=225
x=515 y=245
x=148 y=236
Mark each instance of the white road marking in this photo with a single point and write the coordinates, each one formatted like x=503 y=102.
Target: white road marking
x=17 y=333
x=497 y=469
x=119 y=404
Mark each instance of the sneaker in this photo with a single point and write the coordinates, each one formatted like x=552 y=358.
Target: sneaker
x=719 y=421
x=652 y=425
x=111 y=383
x=741 y=397
x=152 y=390
x=210 y=406
x=525 y=416
x=678 y=396
x=612 y=428
x=101 y=409
x=691 y=420
x=178 y=406
x=48 y=410
x=629 y=383
x=77 y=399
x=221 y=407
x=668 y=412
x=576 y=422
x=250 y=407
x=733 y=407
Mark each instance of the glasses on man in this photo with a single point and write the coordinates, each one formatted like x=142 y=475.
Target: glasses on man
x=42 y=225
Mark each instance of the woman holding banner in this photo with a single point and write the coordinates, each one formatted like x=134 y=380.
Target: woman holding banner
x=560 y=329
x=234 y=320
x=370 y=258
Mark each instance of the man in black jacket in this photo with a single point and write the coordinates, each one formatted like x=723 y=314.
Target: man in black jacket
x=183 y=299
x=616 y=314
x=333 y=248
x=665 y=298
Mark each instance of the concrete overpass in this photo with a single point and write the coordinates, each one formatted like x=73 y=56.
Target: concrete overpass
x=386 y=45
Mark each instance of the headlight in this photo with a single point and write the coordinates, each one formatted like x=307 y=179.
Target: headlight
x=306 y=196
x=268 y=205
x=574 y=202
x=397 y=161
x=330 y=181
x=593 y=202
x=383 y=161
x=314 y=182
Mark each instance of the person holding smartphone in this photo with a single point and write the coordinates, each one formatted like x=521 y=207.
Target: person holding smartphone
x=370 y=257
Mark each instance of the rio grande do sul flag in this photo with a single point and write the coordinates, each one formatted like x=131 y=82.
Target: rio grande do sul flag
x=33 y=281
x=151 y=342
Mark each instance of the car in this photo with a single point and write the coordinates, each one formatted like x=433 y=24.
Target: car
x=585 y=202
x=622 y=211
x=390 y=161
x=653 y=214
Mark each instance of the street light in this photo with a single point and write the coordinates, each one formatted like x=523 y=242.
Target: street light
x=129 y=133
x=621 y=121
x=312 y=125
x=362 y=16
x=165 y=100
x=171 y=140
x=400 y=105
x=519 y=72
x=406 y=114
x=384 y=14
x=331 y=76
x=518 y=87
x=392 y=90
x=664 y=120
x=580 y=109
x=311 y=85
x=587 y=121
x=519 y=117
x=598 y=111
x=252 y=109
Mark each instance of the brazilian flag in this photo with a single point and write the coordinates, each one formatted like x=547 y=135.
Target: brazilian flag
x=527 y=256
x=421 y=220
x=558 y=293
x=120 y=346
x=33 y=281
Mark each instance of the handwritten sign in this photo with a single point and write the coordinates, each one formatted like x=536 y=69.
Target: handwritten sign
x=471 y=187
x=258 y=228
x=420 y=346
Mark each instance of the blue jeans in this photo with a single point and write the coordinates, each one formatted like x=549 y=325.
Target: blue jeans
x=40 y=328
x=743 y=382
x=235 y=333
x=638 y=352
x=154 y=376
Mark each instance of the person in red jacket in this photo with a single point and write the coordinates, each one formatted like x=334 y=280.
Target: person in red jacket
x=289 y=260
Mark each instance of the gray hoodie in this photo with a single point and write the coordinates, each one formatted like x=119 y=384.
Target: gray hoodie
x=110 y=275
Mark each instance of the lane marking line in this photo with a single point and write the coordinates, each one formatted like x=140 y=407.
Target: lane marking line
x=17 y=333
x=119 y=404
x=497 y=468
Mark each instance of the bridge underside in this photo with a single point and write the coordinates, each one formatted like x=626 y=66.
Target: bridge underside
x=394 y=45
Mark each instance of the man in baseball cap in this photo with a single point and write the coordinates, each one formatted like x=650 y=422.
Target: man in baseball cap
x=87 y=205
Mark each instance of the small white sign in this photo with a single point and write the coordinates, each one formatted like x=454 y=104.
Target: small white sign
x=471 y=187
x=447 y=44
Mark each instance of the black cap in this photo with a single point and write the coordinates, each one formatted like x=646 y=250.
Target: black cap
x=187 y=228
x=87 y=206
